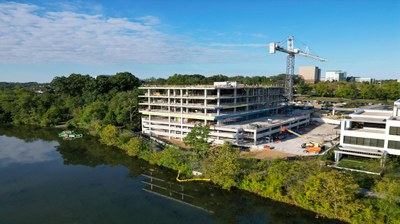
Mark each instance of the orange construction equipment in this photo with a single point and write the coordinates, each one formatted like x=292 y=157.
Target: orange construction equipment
x=313 y=149
x=310 y=147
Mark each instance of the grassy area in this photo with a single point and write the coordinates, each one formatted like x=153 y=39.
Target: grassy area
x=371 y=165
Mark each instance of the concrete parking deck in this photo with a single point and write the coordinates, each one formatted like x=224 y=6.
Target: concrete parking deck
x=320 y=133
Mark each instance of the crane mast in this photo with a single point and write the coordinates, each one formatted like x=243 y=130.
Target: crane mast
x=291 y=52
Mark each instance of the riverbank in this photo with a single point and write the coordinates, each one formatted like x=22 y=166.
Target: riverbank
x=305 y=182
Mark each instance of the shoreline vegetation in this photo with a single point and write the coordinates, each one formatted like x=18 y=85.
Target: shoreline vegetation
x=107 y=107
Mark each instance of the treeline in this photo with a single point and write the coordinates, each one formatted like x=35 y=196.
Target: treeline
x=185 y=79
x=79 y=100
x=306 y=182
x=382 y=91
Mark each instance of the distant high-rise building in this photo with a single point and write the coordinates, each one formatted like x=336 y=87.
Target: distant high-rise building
x=310 y=74
x=335 y=76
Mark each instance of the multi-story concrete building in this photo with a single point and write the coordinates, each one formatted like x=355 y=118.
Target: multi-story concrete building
x=243 y=115
x=310 y=74
x=335 y=76
x=370 y=133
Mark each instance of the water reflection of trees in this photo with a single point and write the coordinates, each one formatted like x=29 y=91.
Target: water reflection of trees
x=226 y=206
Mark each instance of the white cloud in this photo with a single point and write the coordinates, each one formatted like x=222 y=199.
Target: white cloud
x=237 y=45
x=17 y=151
x=259 y=35
x=30 y=34
x=149 y=20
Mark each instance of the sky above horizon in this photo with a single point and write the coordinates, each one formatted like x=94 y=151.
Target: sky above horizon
x=45 y=38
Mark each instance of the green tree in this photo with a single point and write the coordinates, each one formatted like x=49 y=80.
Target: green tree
x=109 y=135
x=123 y=109
x=171 y=157
x=197 y=139
x=124 y=81
x=135 y=145
x=389 y=204
x=222 y=166
x=331 y=192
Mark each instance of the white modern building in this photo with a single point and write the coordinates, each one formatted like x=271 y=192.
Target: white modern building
x=240 y=114
x=335 y=76
x=370 y=133
x=360 y=79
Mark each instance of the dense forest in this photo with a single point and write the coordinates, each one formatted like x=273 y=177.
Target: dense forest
x=78 y=100
x=107 y=107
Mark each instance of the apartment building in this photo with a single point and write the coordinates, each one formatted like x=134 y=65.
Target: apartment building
x=370 y=133
x=240 y=114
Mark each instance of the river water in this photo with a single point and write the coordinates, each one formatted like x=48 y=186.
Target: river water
x=44 y=179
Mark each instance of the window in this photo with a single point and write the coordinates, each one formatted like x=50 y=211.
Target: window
x=394 y=131
x=363 y=141
x=394 y=144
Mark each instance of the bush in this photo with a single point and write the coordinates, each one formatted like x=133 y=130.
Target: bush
x=109 y=135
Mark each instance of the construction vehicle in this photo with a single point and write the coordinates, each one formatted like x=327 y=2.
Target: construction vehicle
x=310 y=146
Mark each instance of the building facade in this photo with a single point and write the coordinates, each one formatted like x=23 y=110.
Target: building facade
x=370 y=133
x=359 y=79
x=335 y=76
x=242 y=115
x=310 y=74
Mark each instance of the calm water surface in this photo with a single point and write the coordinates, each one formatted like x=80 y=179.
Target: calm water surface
x=44 y=179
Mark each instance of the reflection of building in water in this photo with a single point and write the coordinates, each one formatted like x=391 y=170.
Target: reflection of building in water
x=171 y=190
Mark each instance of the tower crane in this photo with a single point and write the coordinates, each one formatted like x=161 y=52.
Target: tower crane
x=291 y=52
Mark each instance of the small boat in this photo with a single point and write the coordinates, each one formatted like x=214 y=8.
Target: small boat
x=70 y=134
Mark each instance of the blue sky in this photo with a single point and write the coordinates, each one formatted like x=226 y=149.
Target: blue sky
x=43 y=39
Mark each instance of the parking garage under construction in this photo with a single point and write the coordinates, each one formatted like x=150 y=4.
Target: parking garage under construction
x=240 y=114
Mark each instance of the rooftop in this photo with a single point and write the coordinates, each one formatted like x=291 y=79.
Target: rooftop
x=216 y=85
x=264 y=123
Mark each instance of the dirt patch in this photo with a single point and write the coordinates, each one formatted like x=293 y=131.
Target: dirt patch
x=266 y=154
x=175 y=142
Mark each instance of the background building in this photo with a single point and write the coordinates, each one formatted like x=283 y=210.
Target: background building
x=310 y=74
x=359 y=79
x=370 y=133
x=335 y=76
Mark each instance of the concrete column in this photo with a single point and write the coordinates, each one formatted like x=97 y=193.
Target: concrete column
x=247 y=99
x=149 y=125
x=338 y=156
x=169 y=127
x=205 y=101
x=169 y=100
x=234 y=99
x=148 y=99
x=205 y=122
x=255 y=137
x=218 y=95
x=181 y=90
